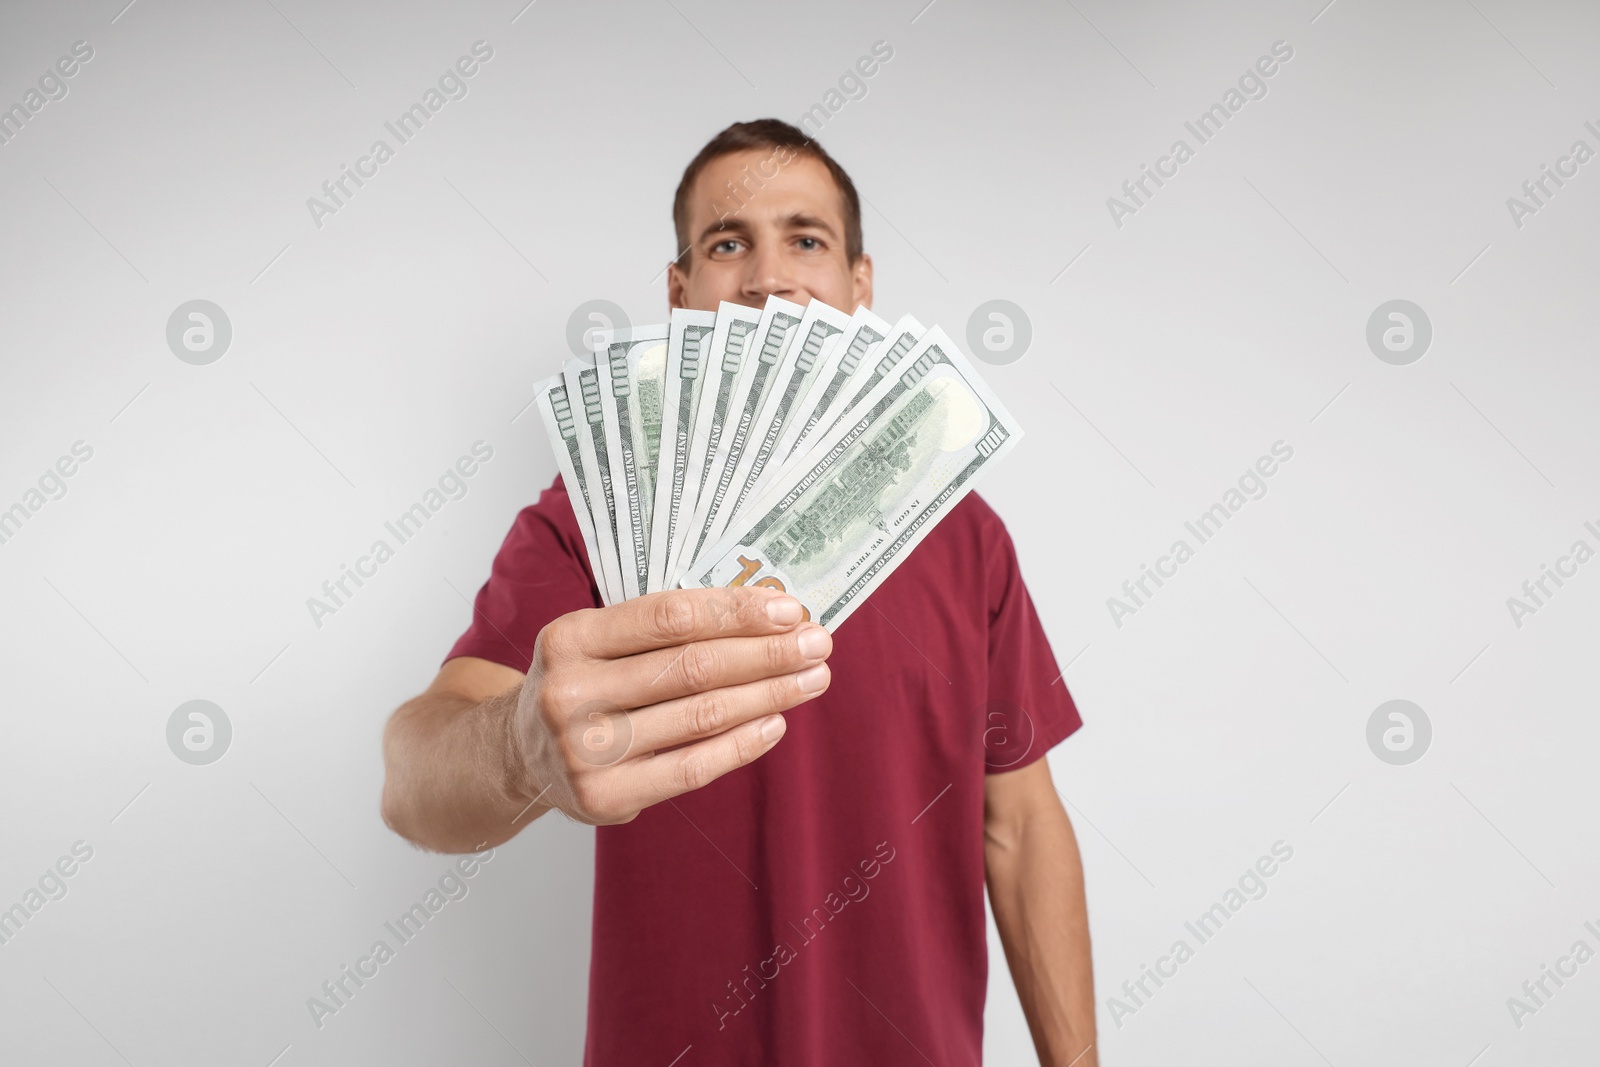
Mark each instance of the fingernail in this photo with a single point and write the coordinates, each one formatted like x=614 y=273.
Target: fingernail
x=772 y=728
x=813 y=643
x=813 y=679
x=783 y=610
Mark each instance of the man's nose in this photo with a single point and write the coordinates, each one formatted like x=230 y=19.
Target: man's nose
x=767 y=274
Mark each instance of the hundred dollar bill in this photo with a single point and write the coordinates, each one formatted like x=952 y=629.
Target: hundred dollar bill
x=777 y=326
x=812 y=341
x=723 y=360
x=633 y=365
x=863 y=334
x=688 y=343
x=843 y=518
x=902 y=338
x=561 y=424
x=583 y=392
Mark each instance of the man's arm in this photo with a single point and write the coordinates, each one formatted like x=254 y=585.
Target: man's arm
x=622 y=707
x=450 y=784
x=1036 y=890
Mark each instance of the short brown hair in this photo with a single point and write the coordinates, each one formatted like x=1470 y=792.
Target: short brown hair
x=774 y=134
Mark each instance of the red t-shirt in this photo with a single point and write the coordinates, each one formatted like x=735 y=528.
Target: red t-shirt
x=824 y=906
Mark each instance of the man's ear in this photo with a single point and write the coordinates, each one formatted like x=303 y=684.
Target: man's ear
x=675 y=285
x=861 y=282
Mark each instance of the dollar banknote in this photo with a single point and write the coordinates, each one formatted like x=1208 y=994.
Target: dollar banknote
x=812 y=340
x=730 y=342
x=633 y=365
x=561 y=423
x=583 y=393
x=863 y=335
x=843 y=517
x=902 y=338
x=688 y=344
x=756 y=374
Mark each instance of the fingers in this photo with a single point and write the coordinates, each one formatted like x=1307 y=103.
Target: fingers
x=669 y=774
x=591 y=667
x=617 y=763
x=701 y=715
x=679 y=616
x=668 y=673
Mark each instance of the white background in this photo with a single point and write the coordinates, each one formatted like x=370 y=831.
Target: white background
x=1229 y=313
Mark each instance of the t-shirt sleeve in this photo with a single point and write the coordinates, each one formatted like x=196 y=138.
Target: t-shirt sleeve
x=540 y=573
x=1029 y=710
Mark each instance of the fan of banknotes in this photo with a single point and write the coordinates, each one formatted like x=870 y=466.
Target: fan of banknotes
x=800 y=448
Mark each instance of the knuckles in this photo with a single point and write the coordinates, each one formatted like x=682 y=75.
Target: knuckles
x=563 y=698
x=694 y=771
x=595 y=804
x=682 y=615
x=560 y=695
x=589 y=801
x=697 y=668
x=781 y=653
x=729 y=611
x=708 y=715
x=553 y=645
x=782 y=693
x=673 y=617
x=735 y=610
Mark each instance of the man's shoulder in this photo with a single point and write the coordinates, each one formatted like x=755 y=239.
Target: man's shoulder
x=550 y=518
x=553 y=504
x=976 y=511
x=972 y=522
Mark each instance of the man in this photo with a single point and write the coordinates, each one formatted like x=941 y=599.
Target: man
x=811 y=901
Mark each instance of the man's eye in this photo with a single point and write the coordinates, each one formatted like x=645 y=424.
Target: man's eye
x=809 y=244
x=725 y=248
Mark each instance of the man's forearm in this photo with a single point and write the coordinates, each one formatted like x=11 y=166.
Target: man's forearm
x=448 y=773
x=1036 y=889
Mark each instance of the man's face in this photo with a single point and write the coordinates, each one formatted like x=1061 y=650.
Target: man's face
x=786 y=240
